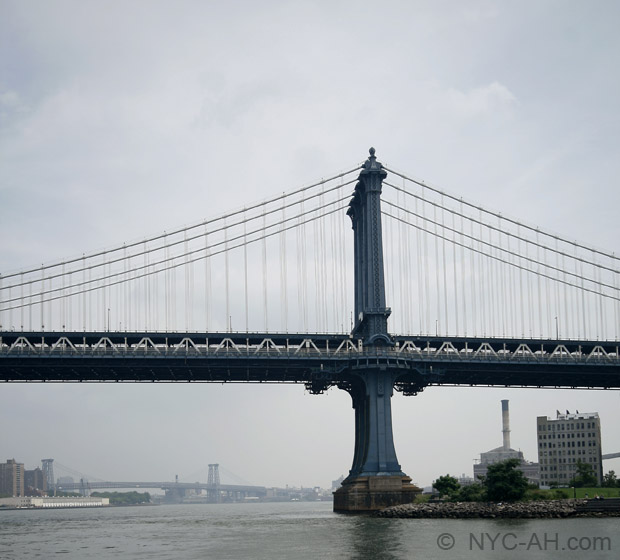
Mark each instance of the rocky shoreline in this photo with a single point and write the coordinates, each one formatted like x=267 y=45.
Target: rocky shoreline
x=487 y=510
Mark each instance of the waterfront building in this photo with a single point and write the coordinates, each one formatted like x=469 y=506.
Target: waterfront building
x=565 y=440
x=12 y=478
x=47 y=503
x=35 y=483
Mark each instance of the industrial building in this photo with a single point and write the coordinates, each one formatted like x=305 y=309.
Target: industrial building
x=530 y=470
x=565 y=440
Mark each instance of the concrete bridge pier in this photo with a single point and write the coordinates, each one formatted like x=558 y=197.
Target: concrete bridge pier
x=375 y=480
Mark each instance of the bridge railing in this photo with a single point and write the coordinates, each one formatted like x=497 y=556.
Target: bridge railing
x=320 y=348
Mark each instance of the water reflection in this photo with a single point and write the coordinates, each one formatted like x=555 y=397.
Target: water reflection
x=374 y=537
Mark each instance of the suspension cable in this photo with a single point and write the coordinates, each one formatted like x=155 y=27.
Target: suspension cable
x=498 y=215
x=499 y=259
x=181 y=255
x=500 y=230
x=174 y=266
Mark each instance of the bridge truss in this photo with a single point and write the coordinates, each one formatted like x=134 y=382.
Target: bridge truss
x=317 y=361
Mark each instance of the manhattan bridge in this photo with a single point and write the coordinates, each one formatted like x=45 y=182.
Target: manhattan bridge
x=263 y=294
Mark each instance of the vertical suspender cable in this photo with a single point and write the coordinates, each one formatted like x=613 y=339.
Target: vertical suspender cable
x=530 y=296
x=343 y=267
x=389 y=273
x=318 y=285
x=186 y=275
x=568 y=313
x=324 y=275
x=156 y=299
x=125 y=289
x=300 y=312
x=557 y=286
x=427 y=299
x=473 y=281
x=539 y=278
x=337 y=302
x=264 y=250
x=463 y=276
x=511 y=308
x=445 y=268
x=504 y=303
x=616 y=308
x=482 y=269
x=167 y=287
x=30 y=308
x=207 y=283
x=226 y=275
x=600 y=303
x=304 y=269
x=400 y=257
x=63 y=301
x=418 y=244
x=520 y=273
x=283 y=270
x=493 y=290
x=437 y=284
x=21 y=295
x=456 y=283
x=408 y=273
x=586 y=317
x=245 y=274
x=576 y=306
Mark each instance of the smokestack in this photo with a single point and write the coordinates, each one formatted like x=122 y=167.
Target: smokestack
x=505 y=425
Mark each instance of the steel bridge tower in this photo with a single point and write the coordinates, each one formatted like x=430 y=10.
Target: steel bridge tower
x=47 y=466
x=214 y=494
x=375 y=479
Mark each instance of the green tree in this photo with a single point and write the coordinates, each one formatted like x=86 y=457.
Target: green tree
x=610 y=480
x=504 y=482
x=446 y=485
x=585 y=476
x=471 y=493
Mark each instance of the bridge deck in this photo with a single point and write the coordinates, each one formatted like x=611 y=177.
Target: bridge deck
x=318 y=360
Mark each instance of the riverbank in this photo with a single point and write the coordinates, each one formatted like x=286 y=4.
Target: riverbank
x=486 y=510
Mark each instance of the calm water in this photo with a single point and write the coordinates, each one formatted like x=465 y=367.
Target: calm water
x=290 y=530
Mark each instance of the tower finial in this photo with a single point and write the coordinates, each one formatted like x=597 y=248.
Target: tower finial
x=371 y=152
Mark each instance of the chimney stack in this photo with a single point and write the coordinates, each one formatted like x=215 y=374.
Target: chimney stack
x=505 y=425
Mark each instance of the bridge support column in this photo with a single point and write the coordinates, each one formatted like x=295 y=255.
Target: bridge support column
x=375 y=480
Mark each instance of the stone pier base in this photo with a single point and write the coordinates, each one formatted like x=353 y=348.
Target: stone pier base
x=372 y=493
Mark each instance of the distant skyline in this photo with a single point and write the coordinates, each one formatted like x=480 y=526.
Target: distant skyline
x=120 y=120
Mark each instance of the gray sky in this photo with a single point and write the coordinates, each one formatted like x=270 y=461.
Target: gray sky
x=118 y=120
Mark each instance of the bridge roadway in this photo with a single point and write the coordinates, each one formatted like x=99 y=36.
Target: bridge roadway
x=316 y=360
x=93 y=485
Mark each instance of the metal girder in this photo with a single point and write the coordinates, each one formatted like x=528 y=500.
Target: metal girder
x=320 y=360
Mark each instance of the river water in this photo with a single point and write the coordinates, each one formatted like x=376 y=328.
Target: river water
x=295 y=530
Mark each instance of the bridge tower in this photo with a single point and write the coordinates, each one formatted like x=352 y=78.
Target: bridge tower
x=47 y=466
x=214 y=495
x=375 y=480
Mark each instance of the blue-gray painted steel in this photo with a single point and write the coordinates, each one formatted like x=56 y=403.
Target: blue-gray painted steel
x=372 y=387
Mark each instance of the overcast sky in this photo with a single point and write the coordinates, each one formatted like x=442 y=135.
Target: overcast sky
x=121 y=119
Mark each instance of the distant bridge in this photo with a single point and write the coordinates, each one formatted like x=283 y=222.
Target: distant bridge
x=179 y=487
